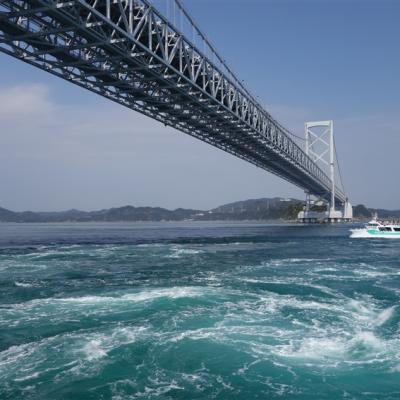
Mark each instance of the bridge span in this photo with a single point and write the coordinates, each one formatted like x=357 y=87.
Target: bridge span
x=130 y=52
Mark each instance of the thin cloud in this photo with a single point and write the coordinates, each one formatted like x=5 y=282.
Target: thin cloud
x=25 y=101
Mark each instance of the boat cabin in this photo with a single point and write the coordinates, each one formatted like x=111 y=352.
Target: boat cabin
x=389 y=228
x=382 y=227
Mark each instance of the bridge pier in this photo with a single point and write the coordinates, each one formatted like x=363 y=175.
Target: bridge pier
x=330 y=216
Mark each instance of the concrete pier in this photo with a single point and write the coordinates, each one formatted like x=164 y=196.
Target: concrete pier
x=330 y=216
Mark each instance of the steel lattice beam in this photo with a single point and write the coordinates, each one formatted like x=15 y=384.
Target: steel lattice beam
x=126 y=51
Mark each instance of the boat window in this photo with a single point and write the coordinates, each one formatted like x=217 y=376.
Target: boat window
x=397 y=229
x=385 y=229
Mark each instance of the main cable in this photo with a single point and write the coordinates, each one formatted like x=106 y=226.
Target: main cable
x=338 y=164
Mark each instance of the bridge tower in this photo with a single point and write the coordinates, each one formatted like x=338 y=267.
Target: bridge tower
x=320 y=147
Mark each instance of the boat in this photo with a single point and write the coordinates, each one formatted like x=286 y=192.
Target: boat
x=377 y=229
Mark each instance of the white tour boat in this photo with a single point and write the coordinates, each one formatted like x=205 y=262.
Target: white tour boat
x=377 y=229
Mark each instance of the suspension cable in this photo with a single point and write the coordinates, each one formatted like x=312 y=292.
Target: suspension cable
x=180 y=6
x=338 y=164
x=292 y=134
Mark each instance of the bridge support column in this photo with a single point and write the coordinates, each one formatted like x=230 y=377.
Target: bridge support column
x=311 y=214
x=343 y=214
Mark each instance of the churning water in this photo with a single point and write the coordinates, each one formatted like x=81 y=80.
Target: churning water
x=197 y=311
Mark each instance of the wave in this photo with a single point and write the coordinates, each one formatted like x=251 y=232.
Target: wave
x=115 y=299
x=181 y=252
x=329 y=350
x=384 y=316
x=245 y=328
x=76 y=353
x=23 y=284
x=173 y=293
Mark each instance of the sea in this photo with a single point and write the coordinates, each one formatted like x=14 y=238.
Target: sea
x=197 y=310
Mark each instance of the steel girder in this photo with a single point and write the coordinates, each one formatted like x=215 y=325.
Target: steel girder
x=126 y=51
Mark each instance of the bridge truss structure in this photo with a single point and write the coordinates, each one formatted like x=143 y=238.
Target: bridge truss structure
x=131 y=53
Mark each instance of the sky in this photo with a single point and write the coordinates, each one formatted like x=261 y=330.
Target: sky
x=62 y=147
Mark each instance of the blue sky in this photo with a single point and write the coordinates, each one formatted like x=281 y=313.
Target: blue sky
x=305 y=60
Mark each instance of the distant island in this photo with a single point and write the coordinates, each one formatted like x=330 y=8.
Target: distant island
x=264 y=209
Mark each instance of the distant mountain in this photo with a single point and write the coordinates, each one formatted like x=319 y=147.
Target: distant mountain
x=7 y=215
x=251 y=210
x=126 y=213
x=363 y=212
x=257 y=209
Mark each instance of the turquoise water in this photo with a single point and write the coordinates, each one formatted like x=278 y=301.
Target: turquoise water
x=197 y=311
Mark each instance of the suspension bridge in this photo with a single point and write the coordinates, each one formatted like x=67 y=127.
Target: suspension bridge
x=158 y=62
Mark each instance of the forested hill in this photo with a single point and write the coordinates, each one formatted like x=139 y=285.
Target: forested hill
x=254 y=209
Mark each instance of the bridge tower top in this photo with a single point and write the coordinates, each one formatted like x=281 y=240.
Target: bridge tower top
x=321 y=148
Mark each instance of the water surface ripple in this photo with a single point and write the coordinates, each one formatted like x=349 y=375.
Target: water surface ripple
x=197 y=311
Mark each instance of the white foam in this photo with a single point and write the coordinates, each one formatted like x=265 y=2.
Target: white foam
x=362 y=310
x=395 y=368
x=23 y=284
x=316 y=348
x=369 y=273
x=299 y=260
x=14 y=353
x=384 y=315
x=77 y=353
x=367 y=340
x=151 y=245
x=94 y=350
x=27 y=377
x=246 y=367
x=367 y=314
x=146 y=295
x=173 y=293
x=179 y=252
x=327 y=269
x=330 y=349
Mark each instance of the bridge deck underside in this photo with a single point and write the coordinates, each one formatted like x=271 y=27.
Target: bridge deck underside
x=126 y=52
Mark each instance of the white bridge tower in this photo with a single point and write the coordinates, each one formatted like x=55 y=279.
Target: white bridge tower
x=320 y=147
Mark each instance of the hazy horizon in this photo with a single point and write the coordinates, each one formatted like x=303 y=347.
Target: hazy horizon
x=172 y=208
x=142 y=205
